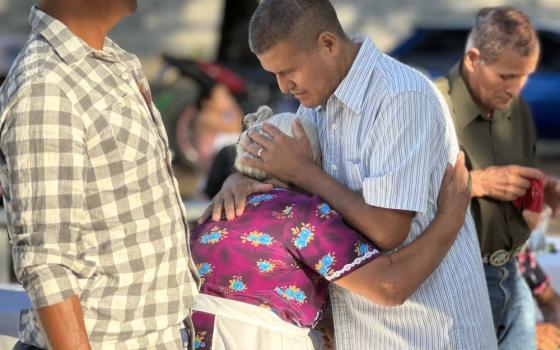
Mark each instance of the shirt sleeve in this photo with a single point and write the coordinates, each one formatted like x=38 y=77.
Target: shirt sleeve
x=43 y=148
x=325 y=244
x=406 y=141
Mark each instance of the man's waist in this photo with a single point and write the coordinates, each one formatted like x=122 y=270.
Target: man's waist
x=500 y=257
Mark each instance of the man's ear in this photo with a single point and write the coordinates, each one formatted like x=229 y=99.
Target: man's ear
x=472 y=59
x=329 y=41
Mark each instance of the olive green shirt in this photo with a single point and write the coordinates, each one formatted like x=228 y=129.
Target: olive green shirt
x=508 y=137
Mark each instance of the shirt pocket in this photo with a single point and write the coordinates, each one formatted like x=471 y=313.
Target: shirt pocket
x=133 y=132
x=122 y=132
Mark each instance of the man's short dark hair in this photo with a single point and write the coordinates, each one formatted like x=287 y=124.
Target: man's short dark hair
x=501 y=28
x=298 y=21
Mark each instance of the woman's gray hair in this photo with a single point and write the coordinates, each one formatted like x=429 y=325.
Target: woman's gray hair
x=283 y=122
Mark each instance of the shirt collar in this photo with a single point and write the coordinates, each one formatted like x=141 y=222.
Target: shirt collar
x=66 y=44
x=465 y=109
x=353 y=87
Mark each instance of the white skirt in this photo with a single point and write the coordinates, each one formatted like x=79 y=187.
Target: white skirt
x=242 y=326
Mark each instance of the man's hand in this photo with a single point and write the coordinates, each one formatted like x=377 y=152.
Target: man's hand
x=232 y=198
x=552 y=195
x=549 y=304
x=454 y=194
x=280 y=156
x=504 y=183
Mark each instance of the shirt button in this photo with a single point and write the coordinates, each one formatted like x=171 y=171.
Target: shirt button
x=334 y=126
x=125 y=76
x=333 y=167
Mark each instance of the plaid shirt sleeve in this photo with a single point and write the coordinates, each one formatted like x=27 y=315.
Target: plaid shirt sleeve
x=43 y=141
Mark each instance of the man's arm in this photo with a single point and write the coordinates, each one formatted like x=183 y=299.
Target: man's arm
x=43 y=142
x=402 y=154
x=390 y=280
x=388 y=228
x=63 y=324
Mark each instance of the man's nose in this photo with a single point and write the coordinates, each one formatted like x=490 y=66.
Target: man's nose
x=284 y=84
x=515 y=87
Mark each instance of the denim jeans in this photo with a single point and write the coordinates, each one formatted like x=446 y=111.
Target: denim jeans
x=513 y=308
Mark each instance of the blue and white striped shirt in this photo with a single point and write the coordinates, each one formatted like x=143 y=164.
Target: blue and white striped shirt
x=387 y=132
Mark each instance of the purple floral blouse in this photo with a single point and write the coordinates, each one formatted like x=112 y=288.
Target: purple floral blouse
x=279 y=255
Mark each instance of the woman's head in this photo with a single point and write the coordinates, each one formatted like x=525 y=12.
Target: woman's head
x=283 y=122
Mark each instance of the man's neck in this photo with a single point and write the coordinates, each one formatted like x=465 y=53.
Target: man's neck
x=484 y=112
x=349 y=52
x=82 y=20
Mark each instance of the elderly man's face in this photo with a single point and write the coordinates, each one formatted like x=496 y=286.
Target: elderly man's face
x=495 y=85
x=307 y=75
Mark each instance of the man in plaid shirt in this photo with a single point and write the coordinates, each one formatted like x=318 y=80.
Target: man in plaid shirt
x=95 y=219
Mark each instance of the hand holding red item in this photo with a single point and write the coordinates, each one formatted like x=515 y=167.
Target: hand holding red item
x=533 y=198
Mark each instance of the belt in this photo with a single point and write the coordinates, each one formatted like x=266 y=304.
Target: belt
x=500 y=257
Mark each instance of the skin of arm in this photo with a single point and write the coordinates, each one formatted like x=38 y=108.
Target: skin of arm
x=390 y=280
x=63 y=325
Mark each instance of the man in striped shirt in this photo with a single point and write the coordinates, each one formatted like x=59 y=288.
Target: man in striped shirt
x=386 y=138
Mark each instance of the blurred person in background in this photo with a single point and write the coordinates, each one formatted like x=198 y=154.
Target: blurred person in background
x=97 y=226
x=495 y=130
x=276 y=261
x=385 y=139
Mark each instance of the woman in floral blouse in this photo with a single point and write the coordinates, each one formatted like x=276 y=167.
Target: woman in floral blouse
x=265 y=274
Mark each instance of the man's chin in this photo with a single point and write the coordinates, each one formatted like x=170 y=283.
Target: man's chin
x=308 y=103
x=502 y=106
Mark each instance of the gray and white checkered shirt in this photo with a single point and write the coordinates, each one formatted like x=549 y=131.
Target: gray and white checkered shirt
x=93 y=207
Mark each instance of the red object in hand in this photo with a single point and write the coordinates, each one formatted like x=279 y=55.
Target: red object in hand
x=533 y=198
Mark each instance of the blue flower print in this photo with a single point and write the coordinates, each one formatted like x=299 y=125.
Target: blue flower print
x=236 y=284
x=292 y=293
x=362 y=248
x=214 y=236
x=257 y=238
x=199 y=340
x=304 y=234
x=258 y=199
x=324 y=211
x=265 y=265
x=325 y=263
x=286 y=213
x=204 y=269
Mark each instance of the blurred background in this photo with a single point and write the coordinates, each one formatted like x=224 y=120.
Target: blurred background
x=204 y=78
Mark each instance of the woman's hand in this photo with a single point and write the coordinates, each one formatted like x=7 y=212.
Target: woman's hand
x=232 y=198
x=455 y=193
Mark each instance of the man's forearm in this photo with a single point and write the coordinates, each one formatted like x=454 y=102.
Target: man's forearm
x=63 y=325
x=390 y=280
x=385 y=227
x=412 y=265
